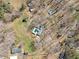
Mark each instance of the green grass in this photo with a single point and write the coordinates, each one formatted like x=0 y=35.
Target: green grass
x=21 y=34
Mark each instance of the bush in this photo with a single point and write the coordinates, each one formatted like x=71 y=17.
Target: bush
x=4 y=8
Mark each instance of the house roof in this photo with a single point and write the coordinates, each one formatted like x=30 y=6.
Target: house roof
x=37 y=30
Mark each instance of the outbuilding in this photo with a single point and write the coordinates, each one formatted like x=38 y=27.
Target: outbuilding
x=51 y=11
x=37 y=30
x=15 y=50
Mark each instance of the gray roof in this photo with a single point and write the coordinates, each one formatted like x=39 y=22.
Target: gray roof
x=16 y=50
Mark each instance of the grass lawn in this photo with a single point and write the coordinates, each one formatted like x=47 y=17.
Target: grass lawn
x=21 y=34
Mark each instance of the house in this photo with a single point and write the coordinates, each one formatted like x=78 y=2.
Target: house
x=37 y=30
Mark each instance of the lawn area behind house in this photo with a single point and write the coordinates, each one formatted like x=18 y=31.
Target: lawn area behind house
x=21 y=34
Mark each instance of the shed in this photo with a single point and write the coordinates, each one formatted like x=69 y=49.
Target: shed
x=15 y=50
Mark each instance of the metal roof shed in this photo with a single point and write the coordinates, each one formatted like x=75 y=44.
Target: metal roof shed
x=16 y=50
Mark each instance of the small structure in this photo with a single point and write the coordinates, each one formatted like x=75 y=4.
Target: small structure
x=16 y=53
x=37 y=30
x=15 y=50
x=52 y=11
x=17 y=56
